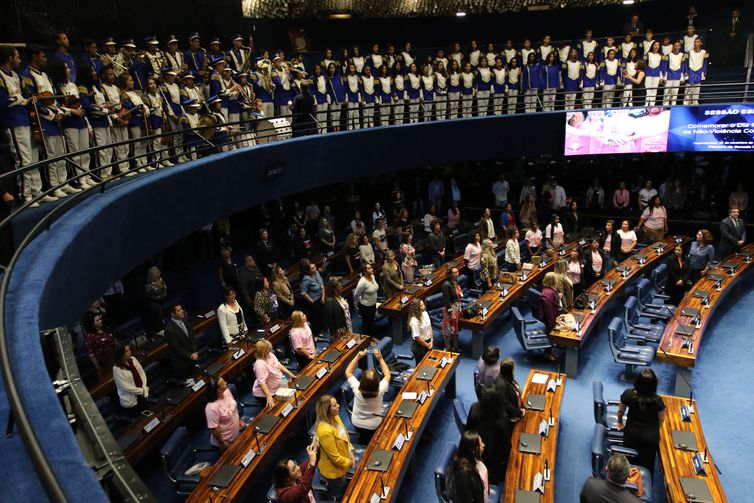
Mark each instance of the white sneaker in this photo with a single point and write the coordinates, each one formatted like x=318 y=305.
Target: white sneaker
x=85 y=185
x=34 y=205
x=71 y=189
x=131 y=173
x=143 y=170
x=181 y=159
x=150 y=168
x=48 y=198
x=166 y=164
x=59 y=194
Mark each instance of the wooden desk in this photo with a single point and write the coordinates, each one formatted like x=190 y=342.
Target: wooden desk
x=106 y=385
x=273 y=443
x=365 y=482
x=480 y=323
x=522 y=467
x=573 y=340
x=672 y=349
x=138 y=443
x=676 y=463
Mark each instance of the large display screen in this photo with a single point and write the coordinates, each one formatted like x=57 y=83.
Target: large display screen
x=712 y=128
x=617 y=131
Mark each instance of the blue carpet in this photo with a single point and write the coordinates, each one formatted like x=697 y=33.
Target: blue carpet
x=715 y=381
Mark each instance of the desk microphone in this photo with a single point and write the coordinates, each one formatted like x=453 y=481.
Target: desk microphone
x=691 y=390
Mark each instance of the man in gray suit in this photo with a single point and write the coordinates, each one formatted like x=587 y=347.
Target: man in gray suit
x=182 y=343
x=612 y=489
x=732 y=233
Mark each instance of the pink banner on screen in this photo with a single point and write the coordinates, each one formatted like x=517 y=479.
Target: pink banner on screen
x=621 y=131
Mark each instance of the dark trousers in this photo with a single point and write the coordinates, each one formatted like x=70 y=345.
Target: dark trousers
x=418 y=351
x=302 y=361
x=365 y=435
x=315 y=316
x=367 y=319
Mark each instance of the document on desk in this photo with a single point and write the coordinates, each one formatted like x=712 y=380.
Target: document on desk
x=409 y=395
x=538 y=378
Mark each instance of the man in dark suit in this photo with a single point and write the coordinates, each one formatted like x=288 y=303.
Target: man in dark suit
x=735 y=39
x=612 y=489
x=267 y=252
x=732 y=233
x=303 y=112
x=634 y=26
x=182 y=342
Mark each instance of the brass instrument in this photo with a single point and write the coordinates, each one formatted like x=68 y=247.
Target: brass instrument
x=110 y=60
x=207 y=126
x=264 y=70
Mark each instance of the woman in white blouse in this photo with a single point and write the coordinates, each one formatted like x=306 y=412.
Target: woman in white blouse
x=512 y=251
x=627 y=240
x=230 y=317
x=365 y=250
x=365 y=298
x=130 y=381
x=367 y=395
x=421 y=330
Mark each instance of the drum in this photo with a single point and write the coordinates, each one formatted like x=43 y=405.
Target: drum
x=272 y=129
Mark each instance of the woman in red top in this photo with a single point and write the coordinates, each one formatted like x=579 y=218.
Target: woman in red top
x=293 y=483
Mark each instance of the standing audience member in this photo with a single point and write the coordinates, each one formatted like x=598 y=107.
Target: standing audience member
x=621 y=197
x=486 y=225
x=500 y=190
x=646 y=194
x=732 y=233
x=335 y=449
x=512 y=251
x=646 y=412
x=352 y=253
x=627 y=240
x=550 y=306
x=678 y=281
x=282 y=289
x=564 y=285
x=227 y=271
x=268 y=374
x=231 y=318
x=533 y=238
x=100 y=345
x=595 y=262
x=473 y=256
x=465 y=479
x=571 y=223
x=367 y=395
x=527 y=217
x=436 y=192
x=451 y=312
x=508 y=393
x=366 y=252
x=358 y=226
x=267 y=252
x=739 y=198
x=392 y=279
x=302 y=340
x=488 y=368
x=293 y=483
x=507 y=219
x=248 y=278
x=266 y=305
x=221 y=413
x=313 y=293
x=156 y=292
x=379 y=236
x=487 y=419
x=576 y=272
x=490 y=271
x=437 y=244
x=701 y=255
x=554 y=234
x=181 y=340
x=336 y=312
x=610 y=243
x=654 y=220
x=130 y=381
x=408 y=255
x=454 y=217
x=421 y=330
x=611 y=489
x=365 y=298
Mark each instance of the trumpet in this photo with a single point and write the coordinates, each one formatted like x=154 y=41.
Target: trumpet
x=110 y=60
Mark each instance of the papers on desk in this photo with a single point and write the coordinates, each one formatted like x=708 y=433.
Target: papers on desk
x=208 y=314
x=238 y=354
x=399 y=441
x=274 y=328
x=286 y=410
x=351 y=343
x=198 y=385
x=552 y=385
x=538 y=378
x=408 y=395
x=544 y=428
x=248 y=458
x=375 y=498
x=321 y=372
x=538 y=484
x=422 y=397
x=151 y=425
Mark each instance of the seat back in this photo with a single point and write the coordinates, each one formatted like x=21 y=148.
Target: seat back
x=441 y=470
x=346 y=392
x=107 y=410
x=643 y=291
x=434 y=301
x=459 y=414
x=616 y=336
x=519 y=326
x=175 y=451
x=599 y=452
x=660 y=276
x=600 y=406
x=272 y=495
x=630 y=314
x=534 y=298
x=157 y=378
x=460 y=241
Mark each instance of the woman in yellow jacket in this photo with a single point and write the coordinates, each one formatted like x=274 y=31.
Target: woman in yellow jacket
x=335 y=449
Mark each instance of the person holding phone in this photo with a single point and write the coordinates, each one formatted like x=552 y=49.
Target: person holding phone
x=293 y=482
x=368 y=393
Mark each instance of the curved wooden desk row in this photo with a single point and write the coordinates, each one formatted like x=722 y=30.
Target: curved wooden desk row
x=497 y=304
x=158 y=351
x=572 y=340
x=523 y=467
x=136 y=443
x=271 y=444
x=715 y=286
x=677 y=463
x=368 y=483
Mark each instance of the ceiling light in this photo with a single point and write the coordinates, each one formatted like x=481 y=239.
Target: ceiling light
x=460 y=14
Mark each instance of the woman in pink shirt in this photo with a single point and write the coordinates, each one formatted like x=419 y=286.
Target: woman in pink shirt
x=654 y=220
x=575 y=272
x=621 y=197
x=473 y=255
x=554 y=234
x=268 y=372
x=302 y=340
x=222 y=414
x=627 y=240
x=454 y=216
x=533 y=238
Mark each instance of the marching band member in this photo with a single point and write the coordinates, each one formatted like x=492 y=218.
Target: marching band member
x=154 y=58
x=352 y=97
x=407 y=56
x=125 y=56
x=217 y=84
x=325 y=63
x=246 y=103
x=629 y=68
x=440 y=57
x=527 y=49
x=136 y=66
x=689 y=38
x=413 y=93
x=666 y=47
x=646 y=44
x=385 y=95
x=490 y=55
x=110 y=54
x=654 y=66
x=483 y=86
x=37 y=82
x=368 y=95
x=264 y=88
x=90 y=56
x=138 y=115
x=571 y=78
x=456 y=54
x=281 y=77
x=375 y=59
x=474 y=54
x=190 y=122
x=609 y=46
x=513 y=85
x=119 y=131
x=238 y=55
x=441 y=90
x=531 y=81
x=97 y=109
x=427 y=92
x=358 y=60
x=172 y=94
x=589 y=79
x=467 y=90
x=196 y=60
x=610 y=76
x=587 y=45
x=174 y=58
x=626 y=46
x=75 y=127
x=337 y=90
x=696 y=72
x=498 y=86
x=454 y=88
x=563 y=51
x=64 y=53
x=544 y=49
x=322 y=99
x=673 y=70
x=215 y=52
x=399 y=83
x=221 y=137
x=155 y=104
x=509 y=52
x=552 y=80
